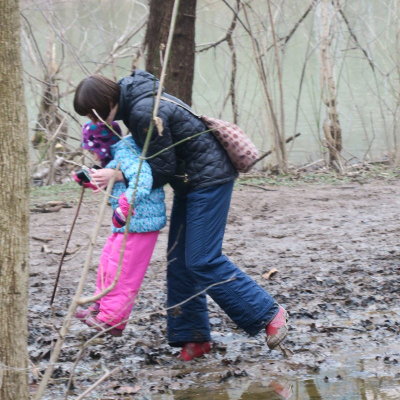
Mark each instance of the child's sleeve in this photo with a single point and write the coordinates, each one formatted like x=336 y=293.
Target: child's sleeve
x=141 y=180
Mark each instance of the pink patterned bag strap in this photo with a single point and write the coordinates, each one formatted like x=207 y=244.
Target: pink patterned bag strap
x=180 y=105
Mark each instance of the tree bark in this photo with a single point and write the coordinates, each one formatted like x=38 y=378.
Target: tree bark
x=14 y=212
x=331 y=126
x=180 y=71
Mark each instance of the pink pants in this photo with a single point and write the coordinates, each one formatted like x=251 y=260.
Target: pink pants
x=116 y=306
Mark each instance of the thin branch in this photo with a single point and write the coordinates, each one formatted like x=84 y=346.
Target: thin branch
x=232 y=278
x=267 y=153
x=232 y=92
x=264 y=80
x=119 y=44
x=238 y=18
x=71 y=310
x=354 y=37
x=176 y=144
x=34 y=41
x=286 y=38
x=98 y=382
x=64 y=41
x=66 y=244
x=228 y=36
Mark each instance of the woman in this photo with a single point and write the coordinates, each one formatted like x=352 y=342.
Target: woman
x=202 y=177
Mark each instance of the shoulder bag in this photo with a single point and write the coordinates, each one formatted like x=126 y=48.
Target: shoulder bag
x=240 y=149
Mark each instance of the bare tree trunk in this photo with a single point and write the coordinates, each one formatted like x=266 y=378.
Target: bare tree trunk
x=232 y=88
x=396 y=123
x=331 y=125
x=14 y=214
x=49 y=119
x=275 y=121
x=180 y=72
x=280 y=141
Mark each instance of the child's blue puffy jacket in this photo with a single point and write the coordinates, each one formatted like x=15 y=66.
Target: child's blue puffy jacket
x=149 y=206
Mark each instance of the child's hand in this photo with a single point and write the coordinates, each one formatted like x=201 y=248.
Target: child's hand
x=120 y=214
x=82 y=178
x=101 y=177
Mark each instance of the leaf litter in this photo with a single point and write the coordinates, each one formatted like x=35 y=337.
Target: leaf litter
x=334 y=265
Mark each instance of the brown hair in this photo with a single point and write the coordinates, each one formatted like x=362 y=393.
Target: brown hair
x=96 y=92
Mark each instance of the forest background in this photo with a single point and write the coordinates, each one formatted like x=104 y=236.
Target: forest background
x=326 y=70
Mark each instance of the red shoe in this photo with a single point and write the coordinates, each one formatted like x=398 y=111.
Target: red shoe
x=277 y=329
x=101 y=326
x=193 y=350
x=93 y=310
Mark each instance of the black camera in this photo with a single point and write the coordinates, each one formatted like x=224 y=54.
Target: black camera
x=82 y=176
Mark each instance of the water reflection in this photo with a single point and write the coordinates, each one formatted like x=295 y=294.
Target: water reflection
x=275 y=390
x=312 y=390
x=316 y=388
x=284 y=390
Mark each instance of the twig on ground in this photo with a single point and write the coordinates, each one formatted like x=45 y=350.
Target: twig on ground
x=257 y=186
x=304 y=167
x=97 y=383
x=342 y=327
x=45 y=240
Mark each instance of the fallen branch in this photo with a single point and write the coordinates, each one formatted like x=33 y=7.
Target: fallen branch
x=45 y=240
x=267 y=153
x=97 y=383
x=258 y=187
x=304 y=167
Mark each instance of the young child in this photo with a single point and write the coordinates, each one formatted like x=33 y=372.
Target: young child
x=111 y=312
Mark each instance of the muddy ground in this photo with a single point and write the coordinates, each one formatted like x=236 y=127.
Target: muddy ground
x=336 y=251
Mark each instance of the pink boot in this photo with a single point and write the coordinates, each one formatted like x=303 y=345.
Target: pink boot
x=101 y=326
x=277 y=329
x=194 y=349
x=93 y=310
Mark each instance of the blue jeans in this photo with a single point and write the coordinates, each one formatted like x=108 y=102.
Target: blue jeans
x=195 y=261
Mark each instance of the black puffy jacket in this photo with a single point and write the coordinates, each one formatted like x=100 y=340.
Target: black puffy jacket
x=198 y=162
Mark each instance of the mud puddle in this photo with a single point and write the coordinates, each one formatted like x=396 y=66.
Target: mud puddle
x=346 y=376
